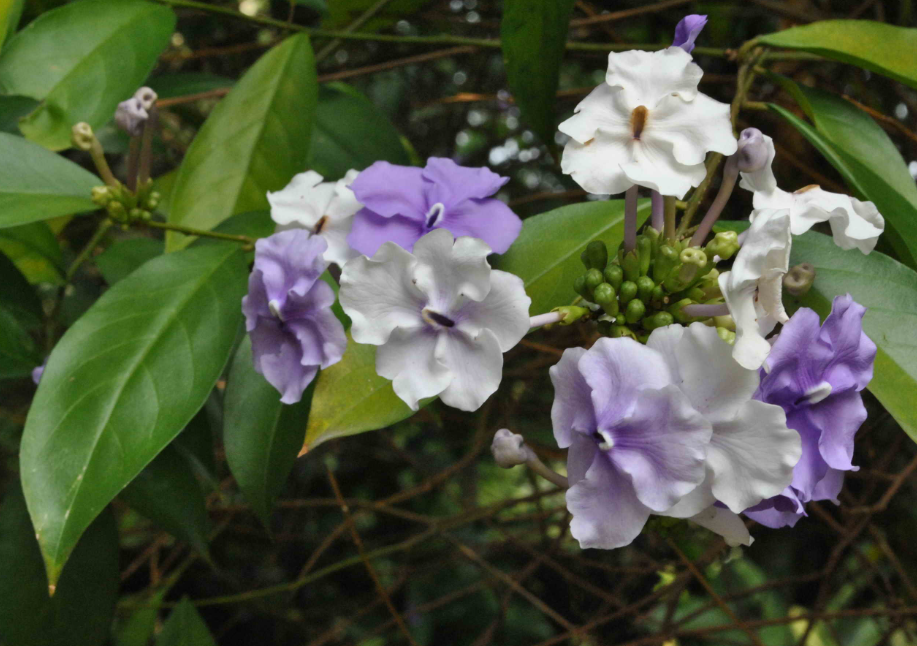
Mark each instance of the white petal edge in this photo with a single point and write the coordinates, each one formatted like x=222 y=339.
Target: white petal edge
x=409 y=359
x=726 y=524
x=475 y=365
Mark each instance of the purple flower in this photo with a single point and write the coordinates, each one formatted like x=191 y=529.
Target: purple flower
x=687 y=31
x=816 y=373
x=404 y=203
x=288 y=312
x=38 y=372
x=637 y=446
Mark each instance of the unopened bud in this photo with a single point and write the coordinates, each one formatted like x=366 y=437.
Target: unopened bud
x=596 y=255
x=665 y=262
x=627 y=292
x=631 y=265
x=724 y=244
x=101 y=195
x=147 y=97
x=727 y=335
x=657 y=320
x=799 y=279
x=614 y=275
x=645 y=286
x=570 y=314
x=116 y=211
x=726 y=321
x=82 y=137
x=752 y=152
x=130 y=116
x=509 y=449
x=634 y=311
x=593 y=279
x=644 y=253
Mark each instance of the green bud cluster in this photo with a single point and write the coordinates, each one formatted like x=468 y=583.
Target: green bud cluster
x=649 y=286
x=123 y=206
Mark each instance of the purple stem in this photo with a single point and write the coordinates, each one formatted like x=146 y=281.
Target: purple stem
x=630 y=219
x=697 y=310
x=730 y=174
x=658 y=221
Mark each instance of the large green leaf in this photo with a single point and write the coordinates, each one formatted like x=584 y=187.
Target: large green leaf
x=122 y=383
x=20 y=309
x=10 y=13
x=81 y=610
x=262 y=436
x=36 y=184
x=16 y=294
x=889 y=290
x=168 y=86
x=254 y=141
x=875 y=46
x=546 y=253
x=350 y=132
x=12 y=109
x=167 y=493
x=866 y=157
x=184 y=627
x=125 y=256
x=533 y=35
x=35 y=250
x=80 y=61
x=351 y=398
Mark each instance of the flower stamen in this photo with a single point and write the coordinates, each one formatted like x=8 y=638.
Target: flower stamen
x=436 y=319
x=322 y=221
x=638 y=120
x=435 y=214
x=274 y=306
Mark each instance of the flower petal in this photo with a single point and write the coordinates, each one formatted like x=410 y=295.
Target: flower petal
x=488 y=219
x=476 y=366
x=648 y=77
x=451 y=272
x=784 y=510
x=278 y=356
x=449 y=184
x=854 y=353
x=370 y=231
x=606 y=513
x=321 y=337
x=854 y=224
x=389 y=190
x=838 y=418
x=596 y=165
x=378 y=294
x=504 y=311
x=654 y=166
x=661 y=445
x=408 y=358
x=687 y=30
x=604 y=111
x=572 y=409
x=725 y=523
x=303 y=201
x=691 y=129
x=762 y=181
x=580 y=456
x=335 y=232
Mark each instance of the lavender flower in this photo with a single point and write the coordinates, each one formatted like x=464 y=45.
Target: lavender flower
x=816 y=373
x=38 y=372
x=687 y=31
x=404 y=203
x=288 y=315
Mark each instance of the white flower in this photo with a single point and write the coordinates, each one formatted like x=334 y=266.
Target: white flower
x=324 y=208
x=442 y=318
x=753 y=289
x=752 y=452
x=646 y=125
x=854 y=224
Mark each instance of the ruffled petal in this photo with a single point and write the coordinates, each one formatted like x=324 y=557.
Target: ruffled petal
x=654 y=166
x=488 y=219
x=451 y=272
x=303 y=201
x=378 y=294
x=838 y=418
x=694 y=502
x=289 y=261
x=580 y=456
x=762 y=181
x=278 y=356
x=475 y=364
x=691 y=129
x=321 y=338
x=661 y=445
x=571 y=413
x=854 y=224
x=648 y=77
x=853 y=353
x=389 y=190
x=687 y=30
x=370 y=231
x=784 y=510
x=604 y=111
x=725 y=523
x=408 y=358
x=596 y=165
x=448 y=184
x=606 y=512
x=504 y=311
x=335 y=232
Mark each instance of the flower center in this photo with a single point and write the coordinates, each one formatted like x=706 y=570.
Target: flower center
x=806 y=189
x=818 y=393
x=606 y=442
x=435 y=214
x=436 y=319
x=274 y=306
x=638 y=120
x=322 y=221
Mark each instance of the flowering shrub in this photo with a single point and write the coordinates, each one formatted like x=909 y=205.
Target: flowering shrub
x=298 y=278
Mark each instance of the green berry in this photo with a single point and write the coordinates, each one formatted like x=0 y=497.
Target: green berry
x=645 y=286
x=614 y=275
x=627 y=292
x=593 y=278
x=634 y=311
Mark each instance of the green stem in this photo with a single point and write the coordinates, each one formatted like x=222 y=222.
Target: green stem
x=443 y=39
x=168 y=226
x=86 y=251
x=356 y=24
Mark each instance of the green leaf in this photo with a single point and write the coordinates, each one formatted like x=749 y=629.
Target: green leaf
x=167 y=493
x=36 y=184
x=864 y=155
x=34 y=249
x=125 y=256
x=254 y=141
x=262 y=437
x=875 y=46
x=533 y=34
x=169 y=86
x=10 y=13
x=341 y=13
x=16 y=294
x=80 y=60
x=350 y=132
x=351 y=398
x=121 y=384
x=184 y=627
x=889 y=290
x=20 y=309
x=12 y=109
x=546 y=253
x=81 y=610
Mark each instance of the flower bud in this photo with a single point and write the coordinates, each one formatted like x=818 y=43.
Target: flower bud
x=594 y=278
x=82 y=136
x=116 y=211
x=627 y=292
x=570 y=314
x=147 y=97
x=596 y=255
x=644 y=253
x=724 y=244
x=658 y=295
x=130 y=116
x=630 y=263
x=727 y=335
x=659 y=319
x=579 y=286
x=725 y=322
x=666 y=260
x=634 y=311
x=614 y=275
x=676 y=310
x=799 y=279
x=752 y=153
x=645 y=286
x=621 y=331
x=101 y=195
x=509 y=449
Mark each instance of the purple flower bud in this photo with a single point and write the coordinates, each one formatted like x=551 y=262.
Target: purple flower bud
x=37 y=372
x=130 y=116
x=687 y=31
x=753 y=151
x=288 y=312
